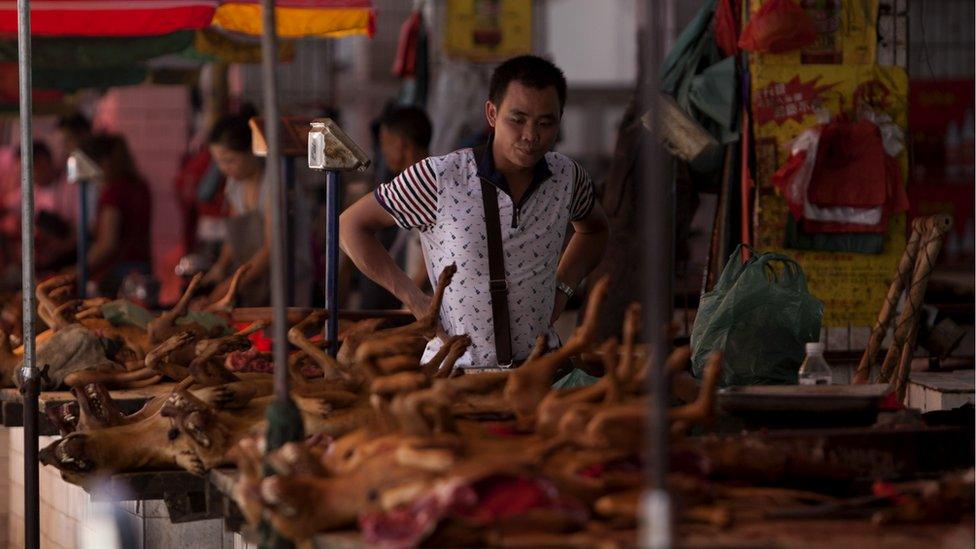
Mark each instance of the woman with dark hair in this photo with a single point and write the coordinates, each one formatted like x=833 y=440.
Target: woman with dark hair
x=122 y=242
x=246 y=239
x=247 y=228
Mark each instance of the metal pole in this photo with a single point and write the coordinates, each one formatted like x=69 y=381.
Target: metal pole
x=657 y=206
x=272 y=173
x=332 y=260
x=82 y=239
x=29 y=373
x=288 y=176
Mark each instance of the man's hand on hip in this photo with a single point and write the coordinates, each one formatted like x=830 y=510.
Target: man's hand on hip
x=559 y=304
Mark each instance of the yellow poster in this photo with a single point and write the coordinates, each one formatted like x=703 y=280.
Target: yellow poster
x=488 y=30
x=846 y=34
x=785 y=100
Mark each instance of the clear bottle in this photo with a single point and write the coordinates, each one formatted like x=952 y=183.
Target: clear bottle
x=815 y=370
x=953 y=152
x=967 y=136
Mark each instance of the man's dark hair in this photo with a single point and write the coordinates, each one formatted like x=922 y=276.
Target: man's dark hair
x=54 y=224
x=409 y=122
x=39 y=149
x=233 y=131
x=529 y=70
x=75 y=123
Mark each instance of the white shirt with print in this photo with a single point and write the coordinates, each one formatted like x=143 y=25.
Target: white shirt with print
x=441 y=196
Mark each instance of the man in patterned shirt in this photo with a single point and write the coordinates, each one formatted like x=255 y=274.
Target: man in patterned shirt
x=539 y=193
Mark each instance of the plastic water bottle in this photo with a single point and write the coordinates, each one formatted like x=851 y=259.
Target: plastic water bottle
x=953 y=152
x=814 y=370
x=967 y=135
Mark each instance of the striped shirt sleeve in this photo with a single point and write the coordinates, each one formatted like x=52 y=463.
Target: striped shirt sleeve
x=584 y=194
x=411 y=197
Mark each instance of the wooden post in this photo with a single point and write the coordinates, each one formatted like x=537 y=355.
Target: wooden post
x=902 y=280
x=937 y=227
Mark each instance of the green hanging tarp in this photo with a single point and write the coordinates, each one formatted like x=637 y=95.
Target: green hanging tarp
x=91 y=53
x=211 y=45
x=713 y=92
x=703 y=83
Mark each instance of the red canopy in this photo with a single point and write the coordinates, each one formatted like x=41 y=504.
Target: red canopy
x=109 y=17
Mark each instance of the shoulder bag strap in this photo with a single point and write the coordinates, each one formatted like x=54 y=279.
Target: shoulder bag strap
x=497 y=284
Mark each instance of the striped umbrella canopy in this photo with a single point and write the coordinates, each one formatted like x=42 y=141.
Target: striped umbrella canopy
x=109 y=17
x=131 y=18
x=106 y=43
x=299 y=18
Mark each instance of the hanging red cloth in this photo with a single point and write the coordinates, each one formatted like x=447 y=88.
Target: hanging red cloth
x=110 y=17
x=896 y=201
x=859 y=184
x=405 y=62
x=850 y=166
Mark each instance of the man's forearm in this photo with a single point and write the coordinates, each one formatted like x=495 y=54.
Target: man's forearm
x=374 y=261
x=582 y=255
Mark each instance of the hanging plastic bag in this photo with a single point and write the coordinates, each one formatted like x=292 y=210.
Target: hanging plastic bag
x=726 y=26
x=574 y=380
x=759 y=315
x=779 y=26
x=212 y=323
x=122 y=312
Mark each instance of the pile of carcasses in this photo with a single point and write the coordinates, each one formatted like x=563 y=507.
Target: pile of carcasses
x=413 y=453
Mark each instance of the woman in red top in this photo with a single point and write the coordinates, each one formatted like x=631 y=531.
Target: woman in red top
x=122 y=235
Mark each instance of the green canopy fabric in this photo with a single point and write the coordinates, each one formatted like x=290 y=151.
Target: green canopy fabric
x=71 y=80
x=92 y=53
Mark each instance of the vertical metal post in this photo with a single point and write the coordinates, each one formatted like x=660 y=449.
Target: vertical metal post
x=288 y=176
x=82 y=257
x=273 y=174
x=657 y=206
x=284 y=418
x=332 y=207
x=29 y=373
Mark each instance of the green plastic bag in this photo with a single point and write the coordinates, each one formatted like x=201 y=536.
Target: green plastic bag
x=122 y=312
x=208 y=321
x=574 y=380
x=759 y=315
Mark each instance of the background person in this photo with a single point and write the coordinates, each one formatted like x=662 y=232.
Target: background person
x=404 y=138
x=122 y=240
